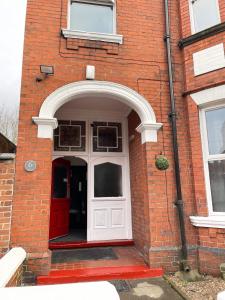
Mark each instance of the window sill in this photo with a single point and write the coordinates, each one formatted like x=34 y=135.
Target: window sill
x=104 y=37
x=211 y=221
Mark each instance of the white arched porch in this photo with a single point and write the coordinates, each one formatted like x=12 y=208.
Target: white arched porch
x=47 y=122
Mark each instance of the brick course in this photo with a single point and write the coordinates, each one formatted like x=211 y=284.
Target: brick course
x=7 y=173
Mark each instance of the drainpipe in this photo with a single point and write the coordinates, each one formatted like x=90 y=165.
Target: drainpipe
x=172 y=115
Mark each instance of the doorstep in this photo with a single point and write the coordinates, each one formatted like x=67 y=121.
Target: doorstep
x=126 y=263
x=98 y=274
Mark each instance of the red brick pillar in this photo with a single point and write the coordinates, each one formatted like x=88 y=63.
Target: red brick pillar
x=7 y=173
x=31 y=207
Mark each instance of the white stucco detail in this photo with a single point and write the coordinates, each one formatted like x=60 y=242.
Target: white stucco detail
x=46 y=121
x=148 y=132
x=95 y=36
x=10 y=263
x=45 y=126
x=211 y=221
x=90 y=72
x=209 y=59
x=208 y=96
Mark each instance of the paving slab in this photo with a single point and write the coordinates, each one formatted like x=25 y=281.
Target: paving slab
x=145 y=289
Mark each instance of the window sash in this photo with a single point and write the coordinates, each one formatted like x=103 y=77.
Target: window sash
x=106 y=3
x=214 y=17
x=207 y=158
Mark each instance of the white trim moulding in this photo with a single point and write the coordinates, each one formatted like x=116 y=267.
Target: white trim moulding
x=208 y=96
x=10 y=263
x=211 y=221
x=46 y=121
x=95 y=36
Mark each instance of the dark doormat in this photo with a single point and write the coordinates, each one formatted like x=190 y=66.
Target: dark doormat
x=73 y=255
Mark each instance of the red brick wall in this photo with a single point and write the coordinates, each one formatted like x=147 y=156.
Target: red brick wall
x=7 y=173
x=16 y=280
x=210 y=241
x=140 y=63
x=192 y=82
x=139 y=188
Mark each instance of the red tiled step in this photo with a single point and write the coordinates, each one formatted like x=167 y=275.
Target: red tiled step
x=81 y=244
x=96 y=274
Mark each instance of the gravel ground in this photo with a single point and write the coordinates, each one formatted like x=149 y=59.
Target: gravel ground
x=206 y=289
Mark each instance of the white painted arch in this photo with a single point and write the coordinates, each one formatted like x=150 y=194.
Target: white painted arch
x=46 y=121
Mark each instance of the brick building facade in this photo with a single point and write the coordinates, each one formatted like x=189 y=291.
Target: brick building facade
x=108 y=94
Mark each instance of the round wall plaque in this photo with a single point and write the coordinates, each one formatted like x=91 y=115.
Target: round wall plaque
x=30 y=165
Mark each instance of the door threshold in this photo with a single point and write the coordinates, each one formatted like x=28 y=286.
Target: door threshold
x=84 y=244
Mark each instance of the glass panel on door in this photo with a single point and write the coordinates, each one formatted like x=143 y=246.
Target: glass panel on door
x=108 y=180
x=60 y=182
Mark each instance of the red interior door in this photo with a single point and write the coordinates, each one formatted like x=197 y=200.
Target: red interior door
x=60 y=198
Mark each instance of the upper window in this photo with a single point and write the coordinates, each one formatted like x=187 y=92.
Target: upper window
x=204 y=13
x=92 y=16
x=214 y=150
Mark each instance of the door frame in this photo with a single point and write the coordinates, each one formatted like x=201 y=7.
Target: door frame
x=89 y=155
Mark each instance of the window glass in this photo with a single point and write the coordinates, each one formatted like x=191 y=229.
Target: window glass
x=217 y=182
x=205 y=14
x=70 y=135
x=215 y=122
x=60 y=182
x=107 y=137
x=107 y=180
x=91 y=17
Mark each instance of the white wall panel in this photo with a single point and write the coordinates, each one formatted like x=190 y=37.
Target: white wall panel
x=209 y=59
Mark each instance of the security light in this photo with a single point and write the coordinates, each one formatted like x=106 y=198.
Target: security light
x=47 y=70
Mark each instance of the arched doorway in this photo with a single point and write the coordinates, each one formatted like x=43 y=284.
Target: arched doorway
x=96 y=113
x=46 y=121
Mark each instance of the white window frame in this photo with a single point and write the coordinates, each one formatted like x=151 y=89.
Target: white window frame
x=97 y=36
x=193 y=30
x=209 y=157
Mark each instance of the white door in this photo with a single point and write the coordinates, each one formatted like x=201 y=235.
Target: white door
x=109 y=212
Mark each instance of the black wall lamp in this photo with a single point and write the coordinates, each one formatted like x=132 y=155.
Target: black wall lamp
x=45 y=72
